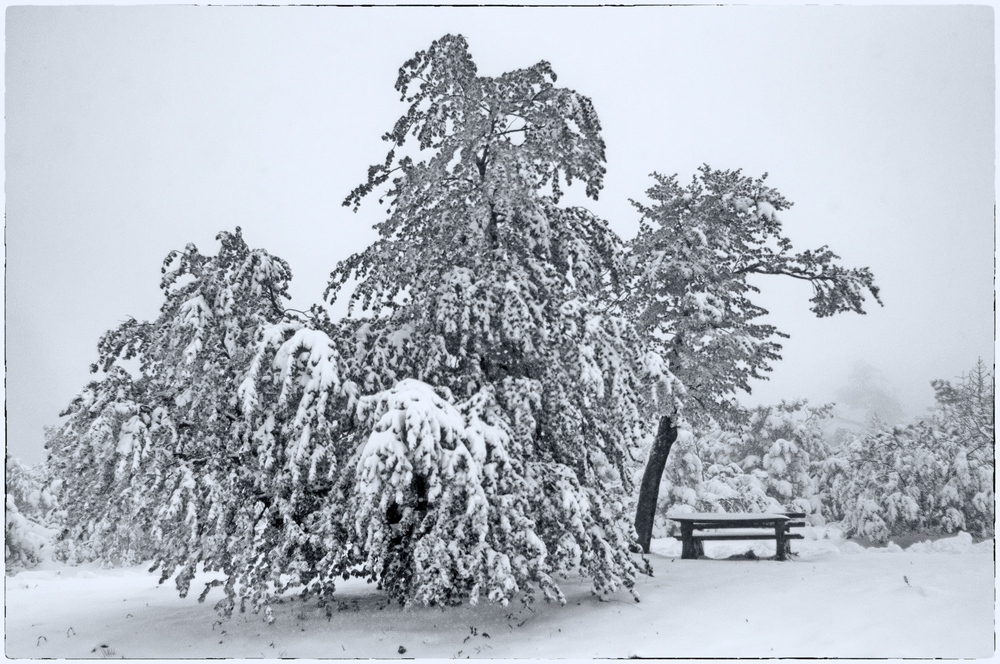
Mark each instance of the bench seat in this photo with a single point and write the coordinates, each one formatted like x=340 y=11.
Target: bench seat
x=757 y=535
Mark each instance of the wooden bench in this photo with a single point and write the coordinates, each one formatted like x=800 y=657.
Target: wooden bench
x=769 y=526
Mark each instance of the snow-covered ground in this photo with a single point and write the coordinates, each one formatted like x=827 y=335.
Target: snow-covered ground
x=834 y=599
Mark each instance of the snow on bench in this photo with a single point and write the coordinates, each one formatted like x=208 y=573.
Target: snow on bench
x=697 y=527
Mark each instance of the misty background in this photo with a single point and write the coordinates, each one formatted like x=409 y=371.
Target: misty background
x=132 y=131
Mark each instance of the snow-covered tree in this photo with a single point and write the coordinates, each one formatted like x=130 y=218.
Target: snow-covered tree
x=869 y=396
x=934 y=474
x=697 y=250
x=480 y=280
x=28 y=510
x=161 y=465
x=968 y=409
x=470 y=434
x=690 y=296
x=700 y=478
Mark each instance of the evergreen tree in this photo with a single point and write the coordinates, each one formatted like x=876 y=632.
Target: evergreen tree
x=786 y=443
x=935 y=474
x=868 y=394
x=480 y=280
x=701 y=478
x=161 y=466
x=697 y=248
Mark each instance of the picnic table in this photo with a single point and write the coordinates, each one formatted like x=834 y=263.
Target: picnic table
x=751 y=527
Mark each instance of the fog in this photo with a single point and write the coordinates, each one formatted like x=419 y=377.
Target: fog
x=132 y=131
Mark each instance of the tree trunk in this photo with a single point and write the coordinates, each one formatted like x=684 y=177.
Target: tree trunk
x=650 y=487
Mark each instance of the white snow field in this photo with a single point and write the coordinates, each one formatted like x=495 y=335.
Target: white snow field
x=834 y=599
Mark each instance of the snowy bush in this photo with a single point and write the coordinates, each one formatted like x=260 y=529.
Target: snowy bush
x=438 y=508
x=769 y=462
x=935 y=474
x=700 y=478
x=28 y=511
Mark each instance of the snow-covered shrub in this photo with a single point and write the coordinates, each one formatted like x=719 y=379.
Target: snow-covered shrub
x=934 y=474
x=438 y=507
x=699 y=478
x=768 y=462
x=28 y=509
x=787 y=443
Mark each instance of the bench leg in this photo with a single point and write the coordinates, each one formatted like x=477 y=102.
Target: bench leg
x=689 y=547
x=692 y=549
x=781 y=544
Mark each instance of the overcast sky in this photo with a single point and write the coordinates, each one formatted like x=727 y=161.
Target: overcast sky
x=131 y=131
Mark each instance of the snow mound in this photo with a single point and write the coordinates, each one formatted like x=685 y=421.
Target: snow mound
x=961 y=543
x=851 y=547
x=668 y=547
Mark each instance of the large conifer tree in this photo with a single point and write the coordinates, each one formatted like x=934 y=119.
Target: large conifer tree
x=481 y=282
